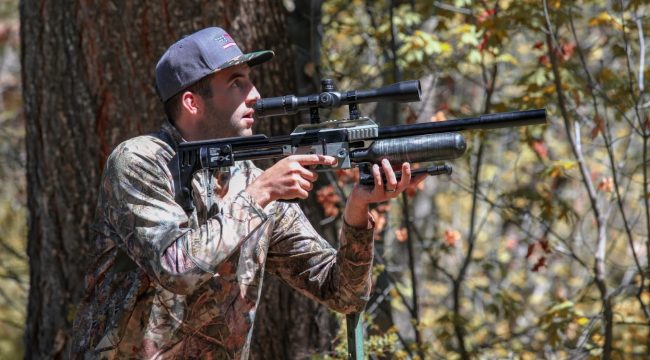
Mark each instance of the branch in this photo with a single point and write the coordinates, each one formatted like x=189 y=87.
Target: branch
x=629 y=73
x=441 y=5
x=433 y=259
x=414 y=280
x=639 y=26
x=599 y=263
x=646 y=135
x=457 y=283
x=606 y=135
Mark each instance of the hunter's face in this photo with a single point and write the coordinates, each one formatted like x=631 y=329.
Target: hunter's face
x=229 y=111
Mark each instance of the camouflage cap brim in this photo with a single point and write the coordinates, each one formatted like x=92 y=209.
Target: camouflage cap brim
x=254 y=58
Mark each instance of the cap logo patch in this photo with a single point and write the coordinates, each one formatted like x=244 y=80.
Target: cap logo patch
x=225 y=41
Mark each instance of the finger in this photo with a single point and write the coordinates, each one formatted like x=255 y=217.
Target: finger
x=314 y=159
x=391 y=180
x=406 y=176
x=306 y=173
x=376 y=174
x=305 y=184
x=303 y=194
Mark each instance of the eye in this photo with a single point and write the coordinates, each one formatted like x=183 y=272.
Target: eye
x=236 y=84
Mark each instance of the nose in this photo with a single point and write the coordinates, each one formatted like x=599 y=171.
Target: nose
x=252 y=97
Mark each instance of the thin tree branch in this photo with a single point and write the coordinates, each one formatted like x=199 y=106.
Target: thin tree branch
x=606 y=135
x=599 y=263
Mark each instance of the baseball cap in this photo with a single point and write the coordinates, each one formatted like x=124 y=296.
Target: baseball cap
x=200 y=54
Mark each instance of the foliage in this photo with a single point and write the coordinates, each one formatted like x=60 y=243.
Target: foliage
x=14 y=270
x=547 y=253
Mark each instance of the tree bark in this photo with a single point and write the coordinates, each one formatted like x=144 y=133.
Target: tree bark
x=88 y=84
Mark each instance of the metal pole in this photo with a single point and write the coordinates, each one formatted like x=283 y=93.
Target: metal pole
x=355 y=336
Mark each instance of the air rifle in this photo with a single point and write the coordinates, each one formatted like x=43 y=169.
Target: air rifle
x=355 y=142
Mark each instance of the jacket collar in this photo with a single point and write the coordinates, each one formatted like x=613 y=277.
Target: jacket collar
x=170 y=129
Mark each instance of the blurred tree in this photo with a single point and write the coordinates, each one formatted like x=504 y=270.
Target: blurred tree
x=88 y=75
x=14 y=271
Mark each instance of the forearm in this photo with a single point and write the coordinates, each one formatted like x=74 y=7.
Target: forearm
x=194 y=257
x=339 y=279
x=354 y=259
x=356 y=212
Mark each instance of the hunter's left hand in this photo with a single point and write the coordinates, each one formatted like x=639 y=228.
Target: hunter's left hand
x=384 y=190
x=356 y=209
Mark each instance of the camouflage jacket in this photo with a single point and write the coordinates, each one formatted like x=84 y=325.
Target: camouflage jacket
x=167 y=284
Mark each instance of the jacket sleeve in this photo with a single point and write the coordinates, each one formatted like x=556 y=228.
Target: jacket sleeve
x=339 y=279
x=157 y=234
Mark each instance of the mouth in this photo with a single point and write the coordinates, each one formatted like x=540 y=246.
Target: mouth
x=248 y=118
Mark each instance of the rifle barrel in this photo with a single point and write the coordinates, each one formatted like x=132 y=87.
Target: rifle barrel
x=489 y=121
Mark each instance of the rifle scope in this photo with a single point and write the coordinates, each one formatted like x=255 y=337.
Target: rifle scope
x=403 y=91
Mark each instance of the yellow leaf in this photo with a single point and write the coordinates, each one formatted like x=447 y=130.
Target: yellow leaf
x=507 y=58
x=568 y=165
x=604 y=18
x=582 y=321
x=549 y=89
x=465 y=29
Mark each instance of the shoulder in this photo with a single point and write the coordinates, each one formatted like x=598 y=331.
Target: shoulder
x=144 y=145
x=143 y=153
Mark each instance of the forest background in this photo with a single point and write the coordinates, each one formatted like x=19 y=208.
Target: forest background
x=537 y=245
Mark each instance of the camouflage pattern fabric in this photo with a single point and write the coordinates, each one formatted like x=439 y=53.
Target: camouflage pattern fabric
x=168 y=285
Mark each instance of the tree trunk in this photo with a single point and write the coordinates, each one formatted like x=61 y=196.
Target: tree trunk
x=88 y=84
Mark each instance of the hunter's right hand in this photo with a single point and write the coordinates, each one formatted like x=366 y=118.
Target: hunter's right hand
x=287 y=179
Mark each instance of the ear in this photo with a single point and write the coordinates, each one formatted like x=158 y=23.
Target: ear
x=191 y=103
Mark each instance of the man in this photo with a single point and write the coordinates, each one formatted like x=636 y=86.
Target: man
x=171 y=284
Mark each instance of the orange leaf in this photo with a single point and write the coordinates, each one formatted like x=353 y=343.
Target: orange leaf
x=329 y=200
x=347 y=176
x=484 y=15
x=540 y=149
x=545 y=246
x=600 y=126
x=412 y=116
x=529 y=252
x=484 y=42
x=411 y=190
x=576 y=97
x=452 y=237
x=567 y=50
x=543 y=60
x=439 y=116
x=606 y=185
x=401 y=234
x=539 y=264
